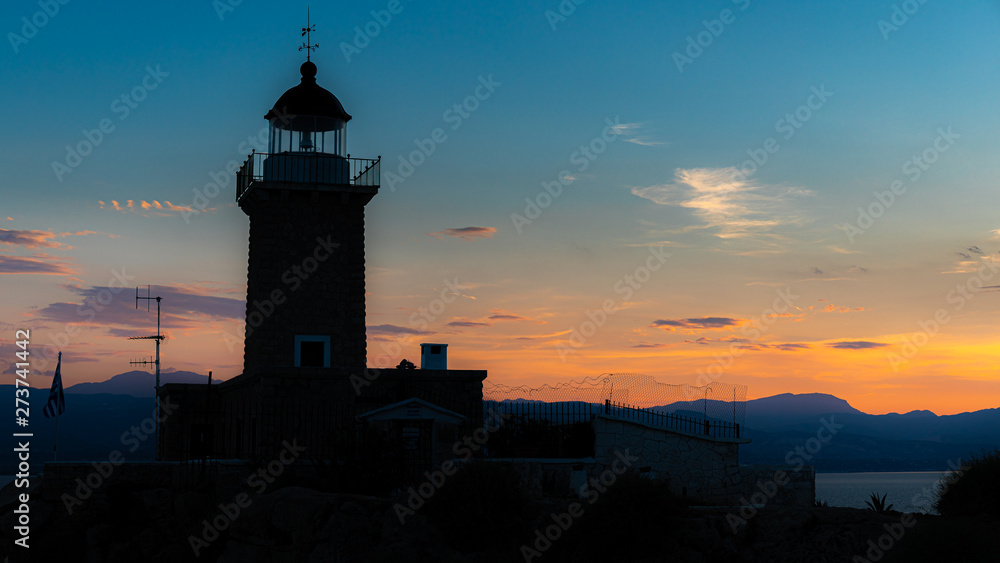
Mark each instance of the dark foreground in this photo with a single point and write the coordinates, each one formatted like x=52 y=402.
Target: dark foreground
x=639 y=522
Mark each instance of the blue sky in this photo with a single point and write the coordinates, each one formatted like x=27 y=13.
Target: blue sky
x=665 y=180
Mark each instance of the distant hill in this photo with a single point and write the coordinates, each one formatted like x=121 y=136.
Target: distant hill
x=99 y=414
x=136 y=383
x=915 y=441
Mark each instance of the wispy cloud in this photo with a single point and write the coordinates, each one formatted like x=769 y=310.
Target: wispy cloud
x=789 y=346
x=393 y=330
x=468 y=324
x=466 y=233
x=831 y=308
x=41 y=239
x=149 y=208
x=629 y=132
x=495 y=316
x=35 y=264
x=972 y=260
x=856 y=345
x=114 y=308
x=839 y=250
x=697 y=324
x=727 y=202
x=28 y=239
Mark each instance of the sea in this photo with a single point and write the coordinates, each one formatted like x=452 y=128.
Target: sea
x=911 y=491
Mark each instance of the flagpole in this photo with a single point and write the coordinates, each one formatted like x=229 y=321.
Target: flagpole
x=55 y=404
x=55 y=447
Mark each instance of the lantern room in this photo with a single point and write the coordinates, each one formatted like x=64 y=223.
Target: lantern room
x=308 y=119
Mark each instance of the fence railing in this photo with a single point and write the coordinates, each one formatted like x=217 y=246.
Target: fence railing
x=564 y=429
x=706 y=426
x=302 y=168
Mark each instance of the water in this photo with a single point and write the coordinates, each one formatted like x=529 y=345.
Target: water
x=901 y=488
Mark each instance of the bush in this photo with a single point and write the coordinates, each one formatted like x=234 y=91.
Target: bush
x=972 y=490
x=481 y=508
x=634 y=519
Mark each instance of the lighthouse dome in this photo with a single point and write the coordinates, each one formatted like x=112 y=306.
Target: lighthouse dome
x=308 y=100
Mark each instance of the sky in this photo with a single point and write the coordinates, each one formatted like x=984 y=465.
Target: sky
x=796 y=197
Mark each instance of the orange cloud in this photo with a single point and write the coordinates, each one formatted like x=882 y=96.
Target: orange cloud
x=150 y=208
x=831 y=308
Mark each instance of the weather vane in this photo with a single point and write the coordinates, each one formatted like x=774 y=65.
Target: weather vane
x=306 y=31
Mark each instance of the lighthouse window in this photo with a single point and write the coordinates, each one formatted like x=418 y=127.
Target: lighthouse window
x=312 y=351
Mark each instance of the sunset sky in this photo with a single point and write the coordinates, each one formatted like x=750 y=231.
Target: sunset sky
x=796 y=197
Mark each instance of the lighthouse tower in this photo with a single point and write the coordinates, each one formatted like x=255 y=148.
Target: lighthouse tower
x=306 y=202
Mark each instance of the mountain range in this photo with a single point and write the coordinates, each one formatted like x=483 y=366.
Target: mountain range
x=781 y=428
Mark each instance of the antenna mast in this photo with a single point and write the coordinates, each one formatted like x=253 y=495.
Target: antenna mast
x=158 y=338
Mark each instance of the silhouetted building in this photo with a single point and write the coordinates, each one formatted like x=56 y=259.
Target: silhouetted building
x=304 y=375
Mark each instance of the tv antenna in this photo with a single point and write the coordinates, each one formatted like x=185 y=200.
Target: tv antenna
x=144 y=362
x=307 y=45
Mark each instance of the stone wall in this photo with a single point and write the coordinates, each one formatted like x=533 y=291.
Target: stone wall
x=697 y=467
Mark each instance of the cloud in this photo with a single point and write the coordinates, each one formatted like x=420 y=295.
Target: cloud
x=650 y=345
x=970 y=264
x=730 y=339
x=495 y=315
x=856 y=269
x=34 y=264
x=839 y=250
x=501 y=315
x=506 y=317
x=728 y=202
x=468 y=324
x=696 y=324
x=466 y=233
x=627 y=131
x=789 y=346
x=856 y=345
x=150 y=208
x=831 y=308
x=28 y=239
x=393 y=330
x=113 y=308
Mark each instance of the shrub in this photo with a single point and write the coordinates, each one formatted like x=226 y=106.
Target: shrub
x=972 y=490
x=877 y=504
x=481 y=508
x=640 y=515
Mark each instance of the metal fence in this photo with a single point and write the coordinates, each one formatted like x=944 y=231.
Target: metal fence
x=717 y=400
x=709 y=427
x=307 y=168
x=555 y=420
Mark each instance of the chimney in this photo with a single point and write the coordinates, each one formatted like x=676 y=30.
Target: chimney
x=433 y=356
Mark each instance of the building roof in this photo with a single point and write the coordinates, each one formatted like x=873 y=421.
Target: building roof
x=415 y=409
x=307 y=99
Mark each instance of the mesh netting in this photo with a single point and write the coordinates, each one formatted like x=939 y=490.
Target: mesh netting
x=717 y=400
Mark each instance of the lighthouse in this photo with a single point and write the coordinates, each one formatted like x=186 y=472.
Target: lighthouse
x=305 y=379
x=306 y=200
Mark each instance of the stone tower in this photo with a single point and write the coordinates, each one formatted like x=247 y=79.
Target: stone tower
x=306 y=274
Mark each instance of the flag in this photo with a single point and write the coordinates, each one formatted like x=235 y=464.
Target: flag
x=57 y=403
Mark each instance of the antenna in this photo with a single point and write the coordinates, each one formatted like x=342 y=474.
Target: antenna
x=158 y=338
x=306 y=31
